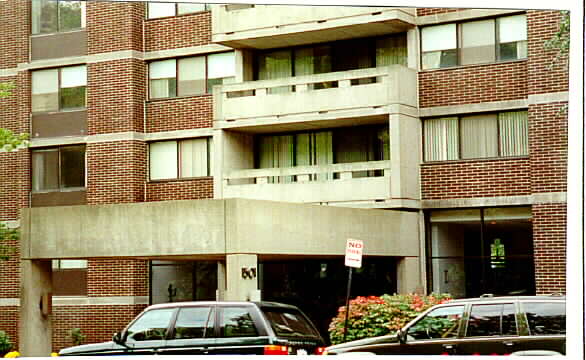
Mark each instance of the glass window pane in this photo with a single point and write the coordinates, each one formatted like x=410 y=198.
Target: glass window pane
x=163 y=160
x=237 y=322
x=512 y=28
x=221 y=69
x=289 y=323
x=479 y=136
x=162 y=69
x=72 y=167
x=485 y=320
x=438 y=37
x=70 y=15
x=44 y=17
x=45 y=85
x=391 y=50
x=513 y=133
x=478 y=42
x=160 y=9
x=152 y=325
x=546 y=318
x=183 y=8
x=72 y=264
x=441 y=139
x=162 y=88
x=73 y=76
x=194 y=158
x=72 y=98
x=194 y=323
x=509 y=321
x=439 y=323
x=45 y=170
x=192 y=73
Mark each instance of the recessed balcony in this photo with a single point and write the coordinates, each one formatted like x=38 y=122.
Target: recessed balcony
x=277 y=103
x=291 y=25
x=357 y=181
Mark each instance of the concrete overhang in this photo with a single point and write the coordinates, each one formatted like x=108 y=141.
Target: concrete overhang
x=211 y=229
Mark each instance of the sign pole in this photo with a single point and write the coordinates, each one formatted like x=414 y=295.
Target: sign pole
x=347 y=301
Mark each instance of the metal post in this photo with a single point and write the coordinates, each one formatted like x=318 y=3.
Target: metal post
x=347 y=301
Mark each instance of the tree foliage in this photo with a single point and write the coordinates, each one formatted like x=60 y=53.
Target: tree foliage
x=10 y=141
x=7 y=235
x=560 y=42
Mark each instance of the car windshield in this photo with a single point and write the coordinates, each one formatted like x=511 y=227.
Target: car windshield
x=289 y=322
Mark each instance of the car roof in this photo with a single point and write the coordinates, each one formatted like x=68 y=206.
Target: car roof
x=211 y=303
x=489 y=298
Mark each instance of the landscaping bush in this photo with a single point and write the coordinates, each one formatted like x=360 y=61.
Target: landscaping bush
x=5 y=343
x=374 y=316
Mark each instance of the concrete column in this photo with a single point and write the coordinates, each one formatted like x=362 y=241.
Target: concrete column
x=409 y=276
x=35 y=323
x=221 y=290
x=405 y=156
x=242 y=277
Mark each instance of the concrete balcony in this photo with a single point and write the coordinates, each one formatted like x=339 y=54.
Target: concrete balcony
x=290 y=25
x=341 y=96
x=312 y=184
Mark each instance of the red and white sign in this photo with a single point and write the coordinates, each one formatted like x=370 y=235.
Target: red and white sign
x=354 y=253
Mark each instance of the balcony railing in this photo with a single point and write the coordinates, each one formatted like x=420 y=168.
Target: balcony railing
x=273 y=100
x=315 y=183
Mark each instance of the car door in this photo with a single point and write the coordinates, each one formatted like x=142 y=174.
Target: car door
x=491 y=330
x=546 y=325
x=436 y=333
x=193 y=331
x=240 y=331
x=146 y=335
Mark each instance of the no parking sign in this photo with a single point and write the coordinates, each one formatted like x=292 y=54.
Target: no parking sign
x=353 y=253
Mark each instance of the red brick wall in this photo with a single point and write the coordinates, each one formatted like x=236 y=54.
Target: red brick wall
x=180 y=114
x=469 y=179
x=473 y=84
x=548 y=147
x=8 y=323
x=114 y=26
x=202 y=188
x=179 y=31
x=434 y=11
x=16 y=29
x=117 y=277
x=549 y=246
x=116 y=93
x=542 y=77
x=97 y=322
x=116 y=172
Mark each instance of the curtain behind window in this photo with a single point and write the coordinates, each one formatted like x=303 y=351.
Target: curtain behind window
x=194 y=158
x=478 y=42
x=45 y=170
x=441 y=139
x=391 y=50
x=479 y=136
x=514 y=133
x=275 y=65
x=277 y=152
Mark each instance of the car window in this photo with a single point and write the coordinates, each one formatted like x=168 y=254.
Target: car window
x=194 y=323
x=288 y=322
x=152 y=325
x=237 y=322
x=546 y=318
x=440 y=323
x=492 y=320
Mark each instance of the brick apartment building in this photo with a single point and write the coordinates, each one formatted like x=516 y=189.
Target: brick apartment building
x=436 y=136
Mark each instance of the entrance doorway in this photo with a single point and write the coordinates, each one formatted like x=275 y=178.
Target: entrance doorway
x=481 y=251
x=173 y=281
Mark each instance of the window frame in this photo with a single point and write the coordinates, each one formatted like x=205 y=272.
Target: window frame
x=60 y=188
x=208 y=90
x=459 y=37
x=83 y=20
x=60 y=108
x=209 y=147
x=499 y=132
x=207 y=7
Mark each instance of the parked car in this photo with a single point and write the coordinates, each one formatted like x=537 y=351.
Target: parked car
x=212 y=327
x=480 y=326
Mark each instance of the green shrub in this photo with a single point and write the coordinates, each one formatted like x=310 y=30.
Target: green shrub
x=5 y=343
x=374 y=316
x=77 y=338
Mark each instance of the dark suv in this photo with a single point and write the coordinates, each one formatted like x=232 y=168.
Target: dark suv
x=481 y=326
x=198 y=328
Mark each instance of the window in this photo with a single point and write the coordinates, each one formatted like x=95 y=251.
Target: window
x=152 y=325
x=194 y=323
x=546 y=318
x=58 y=169
x=180 y=159
x=343 y=145
x=162 y=9
x=336 y=56
x=52 y=16
x=69 y=264
x=59 y=89
x=492 y=320
x=474 y=42
x=439 y=323
x=190 y=76
x=236 y=322
x=476 y=136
